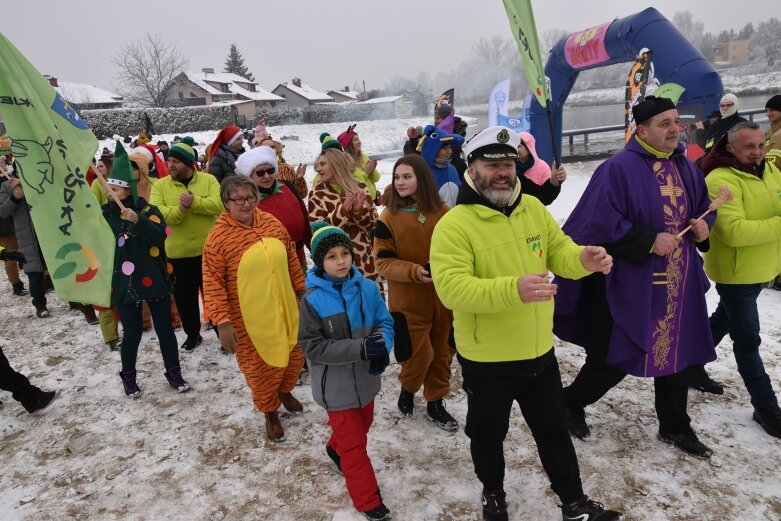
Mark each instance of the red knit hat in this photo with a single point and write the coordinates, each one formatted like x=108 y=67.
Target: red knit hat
x=346 y=137
x=226 y=136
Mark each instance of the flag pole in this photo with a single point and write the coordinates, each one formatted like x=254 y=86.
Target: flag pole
x=109 y=191
x=549 y=112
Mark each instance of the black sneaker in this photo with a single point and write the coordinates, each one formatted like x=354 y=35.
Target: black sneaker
x=334 y=457
x=494 y=505
x=406 y=403
x=41 y=401
x=576 y=422
x=381 y=513
x=192 y=342
x=435 y=412
x=687 y=442
x=770 y=419
x=19 y=289
x=585 y=509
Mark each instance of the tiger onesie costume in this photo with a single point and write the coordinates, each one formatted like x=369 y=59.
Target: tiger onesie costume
x=252 y=279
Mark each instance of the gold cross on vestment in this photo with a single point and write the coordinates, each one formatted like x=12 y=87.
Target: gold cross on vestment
x=671 y=191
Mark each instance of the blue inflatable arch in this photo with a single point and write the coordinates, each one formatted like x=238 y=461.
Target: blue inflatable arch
x=675 y=60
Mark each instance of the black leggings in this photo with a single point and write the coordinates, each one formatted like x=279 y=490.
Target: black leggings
x=130 y=315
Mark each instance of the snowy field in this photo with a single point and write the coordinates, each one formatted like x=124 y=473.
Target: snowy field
x=203 y=455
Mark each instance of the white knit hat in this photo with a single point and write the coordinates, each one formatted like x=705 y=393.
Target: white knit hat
x=251 y=159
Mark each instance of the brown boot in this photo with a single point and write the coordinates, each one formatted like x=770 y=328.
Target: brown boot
x=290 y=403
x=274 y=430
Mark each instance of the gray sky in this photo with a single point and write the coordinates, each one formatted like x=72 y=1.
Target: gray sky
x=329 y=44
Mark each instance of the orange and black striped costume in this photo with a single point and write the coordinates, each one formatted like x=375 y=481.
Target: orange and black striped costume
x=252 y=279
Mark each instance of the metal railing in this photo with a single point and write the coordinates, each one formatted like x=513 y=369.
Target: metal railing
x=571 y=134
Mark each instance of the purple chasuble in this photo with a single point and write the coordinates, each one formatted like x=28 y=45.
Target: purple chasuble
x=669 y=276
x=657 y=304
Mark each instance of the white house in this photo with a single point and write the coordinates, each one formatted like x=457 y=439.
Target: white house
x=82 y=96
x=301 y=95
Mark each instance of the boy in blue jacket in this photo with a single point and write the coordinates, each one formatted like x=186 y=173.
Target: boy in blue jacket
x=346 y=332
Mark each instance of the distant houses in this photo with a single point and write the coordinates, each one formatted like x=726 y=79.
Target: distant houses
x=734 y=51
x=299 y=94
x=206 y=87
x=244 y=97
x=81 y=96
x=346 y=95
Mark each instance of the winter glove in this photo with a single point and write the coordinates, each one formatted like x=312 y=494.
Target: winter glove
x=13 y=255
x=373 y=348
x=376 y=367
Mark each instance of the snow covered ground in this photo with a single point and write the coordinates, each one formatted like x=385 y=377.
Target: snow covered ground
x=202 y=455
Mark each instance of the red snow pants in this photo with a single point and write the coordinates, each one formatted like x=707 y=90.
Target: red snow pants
x=349 y=429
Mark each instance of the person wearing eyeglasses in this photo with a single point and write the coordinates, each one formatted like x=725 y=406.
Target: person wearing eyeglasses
x=252 y=282
x=277 y=197
x=728 y=107
x=286 y=172
x=190 y=202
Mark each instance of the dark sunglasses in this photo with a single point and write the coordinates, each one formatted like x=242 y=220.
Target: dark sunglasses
x=261 y=173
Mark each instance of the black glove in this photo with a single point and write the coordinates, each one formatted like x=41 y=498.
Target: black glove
x=373 y=348
x=12 y=255
x=376 y=367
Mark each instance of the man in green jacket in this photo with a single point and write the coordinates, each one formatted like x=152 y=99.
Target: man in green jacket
x=745 y=252
x=190 y=203
x=490 y=257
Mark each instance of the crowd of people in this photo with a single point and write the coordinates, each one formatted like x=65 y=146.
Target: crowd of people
x=457 y=258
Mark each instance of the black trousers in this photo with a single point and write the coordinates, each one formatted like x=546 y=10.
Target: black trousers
x=596 y=377
x=491 y=389
x=16 y=383
x=130 y=315
x=188 y=281
x=37 y=285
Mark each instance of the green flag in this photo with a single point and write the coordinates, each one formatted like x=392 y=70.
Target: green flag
x=525 y=32
x=671 y=91
x=52 y=149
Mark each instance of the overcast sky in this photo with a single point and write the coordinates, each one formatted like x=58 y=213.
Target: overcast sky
x=329 y=44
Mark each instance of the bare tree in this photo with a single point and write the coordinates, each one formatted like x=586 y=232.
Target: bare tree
x=146 y=69
x=550 y=38
x=495 y=50
x=767 y=38
x=693 y=30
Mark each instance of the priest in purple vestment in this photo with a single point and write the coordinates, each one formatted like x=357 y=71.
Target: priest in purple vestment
x=648 y=317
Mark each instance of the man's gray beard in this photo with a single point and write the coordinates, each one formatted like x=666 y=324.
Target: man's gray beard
x=498 y=198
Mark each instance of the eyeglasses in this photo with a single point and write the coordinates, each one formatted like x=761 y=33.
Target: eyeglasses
x=241 y=201
x=269 y=172
x=726 y=105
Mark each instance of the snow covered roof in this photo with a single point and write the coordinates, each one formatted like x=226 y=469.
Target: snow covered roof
x=308 y=92
x=236 y=85
x=353 y=94
x=230 y=103
x=373 y=101
x=81 y=93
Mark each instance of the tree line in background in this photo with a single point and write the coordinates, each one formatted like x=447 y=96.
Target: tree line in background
x=147 y=66
x=496 y=58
